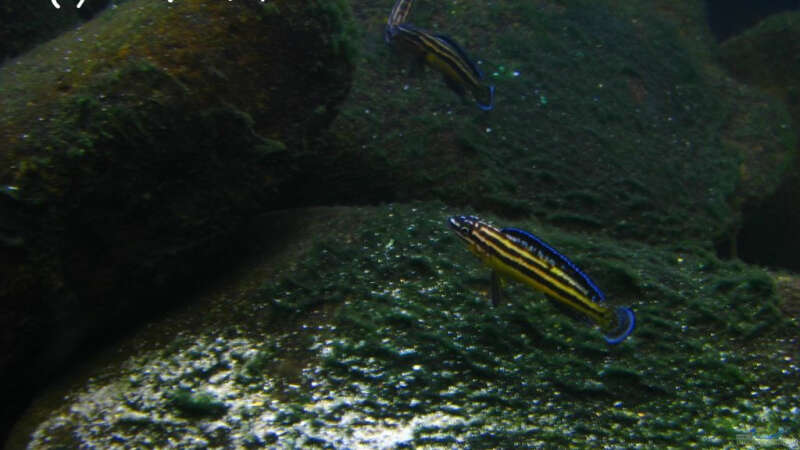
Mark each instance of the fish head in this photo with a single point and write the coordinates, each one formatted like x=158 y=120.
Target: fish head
x=464 y=226
x=389 y=33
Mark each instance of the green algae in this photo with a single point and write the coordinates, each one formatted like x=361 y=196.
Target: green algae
x=633 y=378
x=412 y=353
x=752 y=57
x=637 y=119
x=139 y=142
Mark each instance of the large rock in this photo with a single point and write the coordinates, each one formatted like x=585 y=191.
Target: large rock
x=767 y=57
x=755 y=57
x=609 y=119
x=612 y=123
x=371 y=327
x=134 y=147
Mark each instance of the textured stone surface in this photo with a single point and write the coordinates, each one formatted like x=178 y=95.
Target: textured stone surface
x=135 y=146
x=372 y=327
x=767 y=57
x=615 y=135
x=610 y=117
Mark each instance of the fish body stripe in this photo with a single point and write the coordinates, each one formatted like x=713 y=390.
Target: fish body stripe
x=444 y=50
x=399 y=12
x=516 y=260
x=541 y=247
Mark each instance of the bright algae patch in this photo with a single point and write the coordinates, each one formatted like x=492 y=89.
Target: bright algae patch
x=383 y=335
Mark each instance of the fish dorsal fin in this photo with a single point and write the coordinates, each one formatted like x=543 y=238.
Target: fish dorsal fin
x=537 y=245
x=462 y=53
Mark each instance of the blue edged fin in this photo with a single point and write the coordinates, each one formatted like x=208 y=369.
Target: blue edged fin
x=626 y=321
x=488 y=106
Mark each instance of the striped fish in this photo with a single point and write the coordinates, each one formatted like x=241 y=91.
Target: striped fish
x=398 y=16
x=518 y=254
x=446 y=56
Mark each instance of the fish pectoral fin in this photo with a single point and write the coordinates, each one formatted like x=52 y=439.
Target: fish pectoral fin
x=497 y=288
x=416 y=66
x=457 y=87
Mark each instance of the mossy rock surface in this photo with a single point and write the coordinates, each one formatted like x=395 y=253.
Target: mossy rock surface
x=136 y=160
x=609 y=118
x=755 y=57
x=134 y=147
x=766 y=58
x=372 y=327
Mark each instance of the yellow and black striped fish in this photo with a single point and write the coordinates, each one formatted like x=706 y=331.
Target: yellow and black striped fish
x=518 y=254
x=446 y=56
x=398 y=16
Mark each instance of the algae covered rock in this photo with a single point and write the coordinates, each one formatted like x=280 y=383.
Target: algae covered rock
x=372 y=327
x=616 y=137
x=136 y=145
x=767 y=57
x=609 y=118
x=756 y=57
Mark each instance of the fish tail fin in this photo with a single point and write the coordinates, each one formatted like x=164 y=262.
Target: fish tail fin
x=490 y=104
x=624 y=324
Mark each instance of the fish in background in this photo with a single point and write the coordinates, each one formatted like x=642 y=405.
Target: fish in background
x=397 y=16
x=518 y=254
x=443 y=54
x=439 y=52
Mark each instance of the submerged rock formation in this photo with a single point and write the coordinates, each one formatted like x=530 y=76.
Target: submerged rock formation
x=616 y=136
x=372 y=327
x=767 y=57
x=135 y=146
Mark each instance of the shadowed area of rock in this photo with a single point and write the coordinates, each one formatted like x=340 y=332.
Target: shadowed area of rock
x=133 y=149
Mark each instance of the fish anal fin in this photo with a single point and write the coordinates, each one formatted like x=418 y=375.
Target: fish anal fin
x=416 y=66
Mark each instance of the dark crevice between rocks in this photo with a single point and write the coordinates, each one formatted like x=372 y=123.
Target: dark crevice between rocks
x=727 y=18
x=768 y=235
x=332 y=177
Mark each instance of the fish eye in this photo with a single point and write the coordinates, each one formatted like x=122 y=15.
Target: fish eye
x=465 y=230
